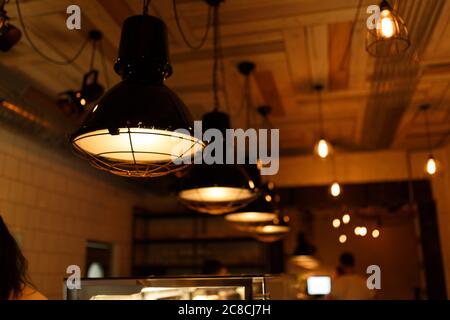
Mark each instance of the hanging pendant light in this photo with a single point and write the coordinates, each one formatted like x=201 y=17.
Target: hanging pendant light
x=390 y=36
x=274 y=231
x=304 y=254
x=9 y=34
x=259 y=212
x=75 y=102
x=131 y=131
x=431 y=165
x=218 y=188
x=322 y=147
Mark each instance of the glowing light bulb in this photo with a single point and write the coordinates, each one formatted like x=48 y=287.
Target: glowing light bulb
x=357 y=231
x=322 y=148
x=387 y=27
x=336 y=223
x=335 y=189
x=362 y=231
x=342 y=238
x=83 y=102
x=346 y=218
x=268 y=198
x=375 y=233
x=431 y=166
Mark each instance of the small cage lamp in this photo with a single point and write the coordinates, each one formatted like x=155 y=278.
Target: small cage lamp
x=390 y=36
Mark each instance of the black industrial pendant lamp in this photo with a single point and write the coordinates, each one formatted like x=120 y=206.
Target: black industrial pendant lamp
x=260 y=212
x=9 y=34
x=390 y=36
x=75 y=102
x=218 y=188
x=304 y=254
x=273 y=231
x=132 y=131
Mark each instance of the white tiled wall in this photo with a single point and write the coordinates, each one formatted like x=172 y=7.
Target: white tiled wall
x=54 y=204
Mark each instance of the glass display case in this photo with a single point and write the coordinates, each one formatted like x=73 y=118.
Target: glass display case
x=180 y=288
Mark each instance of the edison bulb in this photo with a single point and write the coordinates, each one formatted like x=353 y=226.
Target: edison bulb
x=83 y=102
x=322 y=148
x=431 y=166
x=357 y=230
x=375 y=233
x=342 y=238
x=346 y=218
x=336 y=223
x=335 y=189
x=387 y=26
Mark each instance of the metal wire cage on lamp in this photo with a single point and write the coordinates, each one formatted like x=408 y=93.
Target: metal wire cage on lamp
x=274 y=231
x=140 y=127
x=390 y=37
x=217 y=189
x=260 y=212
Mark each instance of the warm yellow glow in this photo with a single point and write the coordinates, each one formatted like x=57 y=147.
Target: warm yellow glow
x=149 y=145
x=270 y=185
x=357 y=230
x=322 y=148
x=286 y=219
x=431 y=166
x=362 y=231
x=387 y=26
x=346 y=218
x=83 y=102
x=216 y=194
x=306 y=262
x=272 y=229
x=342 y=238
x=336 y=223
x=375 y=233
x=335 y=189
x=268 y=198
x=251 y=184
x=251 y=217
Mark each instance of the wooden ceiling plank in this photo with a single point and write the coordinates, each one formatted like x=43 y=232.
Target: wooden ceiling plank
x=297 y=57
x=268 y=88
x=339 y=53
x=317 y=39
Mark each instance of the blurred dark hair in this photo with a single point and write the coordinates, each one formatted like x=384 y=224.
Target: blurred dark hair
x=347 y=260
x=211 y=267
x=13 y=265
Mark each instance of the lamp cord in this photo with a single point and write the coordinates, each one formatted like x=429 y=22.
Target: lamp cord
x=183 y=35
x=145 y=8
x=346 y=57
x=319 y=96
x=215 y=71
x=37 y=50
x=94 y=47
x=105 y=68
x=427 y=128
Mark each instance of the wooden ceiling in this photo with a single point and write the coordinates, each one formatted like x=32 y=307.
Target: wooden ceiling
x=368 y=103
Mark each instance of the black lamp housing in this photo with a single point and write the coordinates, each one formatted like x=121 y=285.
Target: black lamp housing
x=140 y=107
x=9 y=34
x=206 y=186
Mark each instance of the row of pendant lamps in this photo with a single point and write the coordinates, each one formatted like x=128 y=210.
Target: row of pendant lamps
x=130 y=132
